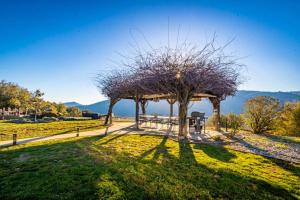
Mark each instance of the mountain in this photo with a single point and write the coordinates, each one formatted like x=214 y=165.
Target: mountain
x=233 y=104
x=72 y=104
x=296 y=92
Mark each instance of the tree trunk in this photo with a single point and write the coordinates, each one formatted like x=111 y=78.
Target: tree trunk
x=3 y=111
x=182 y=120
x=218 y=118
x=109 y=112
x=137 y=111
x=216 y=107
x=35 y=114
x=143 y=105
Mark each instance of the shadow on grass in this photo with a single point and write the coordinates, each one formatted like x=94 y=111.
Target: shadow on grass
x=233 y=181
x=220 y=153
x=186 y=154
x=286 y=139
x=84 y=169
x=127 y=128
x=279 y=162
x=158 y=150
x=116 y=136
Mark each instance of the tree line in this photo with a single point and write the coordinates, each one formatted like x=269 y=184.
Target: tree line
x=32 y=103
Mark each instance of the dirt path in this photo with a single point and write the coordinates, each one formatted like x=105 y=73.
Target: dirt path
x=113 y=129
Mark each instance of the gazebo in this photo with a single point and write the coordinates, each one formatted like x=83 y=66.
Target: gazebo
x=176 y=75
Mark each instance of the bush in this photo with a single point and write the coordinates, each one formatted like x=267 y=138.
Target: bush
x=75 y=118
x=49 y=119
x=217 y=138
x=234 y=122
x=22 y=120
x=48 y=114
x=74 y=112
x=261 y=113
x=289 y=120
x=211 y=120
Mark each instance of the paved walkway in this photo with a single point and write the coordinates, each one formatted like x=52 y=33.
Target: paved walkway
x=113 y=129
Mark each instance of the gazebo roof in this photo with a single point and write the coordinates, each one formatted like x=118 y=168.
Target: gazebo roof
x=153 y=97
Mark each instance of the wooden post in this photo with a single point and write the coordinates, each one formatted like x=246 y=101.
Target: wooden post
x=171 y=110
x=77 y=134
x=137 y=111
x=14 y=139
x=218 y=119
x=204 y=126
x=143 y=106
x=226 y=123
x=171 y=102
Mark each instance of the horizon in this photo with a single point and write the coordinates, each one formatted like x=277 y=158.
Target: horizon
x=200 y=101
x=61 y=53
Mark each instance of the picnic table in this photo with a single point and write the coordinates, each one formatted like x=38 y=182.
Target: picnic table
x=171 y=121
x=157 y=119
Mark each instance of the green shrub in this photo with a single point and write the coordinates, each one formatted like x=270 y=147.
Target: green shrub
x=234 y=123
x=212 y=118
x=216 y=137
x=261 y=113
x=289 y=120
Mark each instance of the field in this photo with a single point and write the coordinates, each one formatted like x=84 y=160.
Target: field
x=141 y=167
x=27 y=130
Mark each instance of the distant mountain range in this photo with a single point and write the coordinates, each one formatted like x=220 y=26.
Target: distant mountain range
x=73 y=104
x=233 y=104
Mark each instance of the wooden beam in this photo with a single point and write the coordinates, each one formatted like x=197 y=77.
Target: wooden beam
x=169 y=96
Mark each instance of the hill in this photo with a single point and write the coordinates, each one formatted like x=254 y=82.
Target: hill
x=296 y=92
x=231 y=104
x=72 y=104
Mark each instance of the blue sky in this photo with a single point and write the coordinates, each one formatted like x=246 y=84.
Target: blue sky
x=60 y=46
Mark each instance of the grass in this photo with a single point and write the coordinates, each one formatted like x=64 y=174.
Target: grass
x=141 y=167
x=27 y=130
x=291 y=139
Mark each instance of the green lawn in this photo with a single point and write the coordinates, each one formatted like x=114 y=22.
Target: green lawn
x=141 y=167
x=26 y=130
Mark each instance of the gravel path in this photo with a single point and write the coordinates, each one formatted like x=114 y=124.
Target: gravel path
x=269 y=146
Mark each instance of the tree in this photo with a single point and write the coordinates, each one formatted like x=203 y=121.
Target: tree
x=289 y=120
x=37 y=102
x=61 y=109
x=260 y=114
x=180 y=72
x=14 y=96
x=9 y=94
x=49 y=109
x=25 y=100
x=74 y=112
